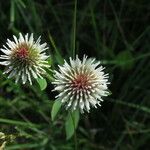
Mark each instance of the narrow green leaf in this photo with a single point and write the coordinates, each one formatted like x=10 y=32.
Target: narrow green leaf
x=21 y=3
x=23 y=146
x=42 y=83
x=16 y=122
x=71 y=123
x=58 y=55
x=56 y=107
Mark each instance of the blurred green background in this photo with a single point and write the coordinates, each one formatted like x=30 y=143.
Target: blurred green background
x=116 y=32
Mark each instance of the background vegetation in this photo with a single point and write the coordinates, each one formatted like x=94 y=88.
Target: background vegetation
x=117 y=32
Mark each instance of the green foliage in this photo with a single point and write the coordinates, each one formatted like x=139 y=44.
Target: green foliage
x=71 y=123
x=55 y=109
x=115 y=32
x=42 y=83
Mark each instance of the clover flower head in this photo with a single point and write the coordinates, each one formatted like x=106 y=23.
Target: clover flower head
x=81 y=83
x=24 y=58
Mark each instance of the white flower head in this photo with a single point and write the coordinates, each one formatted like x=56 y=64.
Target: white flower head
x=24 y=58
x=81 y=84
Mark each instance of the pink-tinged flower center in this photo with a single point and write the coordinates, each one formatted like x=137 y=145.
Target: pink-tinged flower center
x=22 y=52
x=80 y=82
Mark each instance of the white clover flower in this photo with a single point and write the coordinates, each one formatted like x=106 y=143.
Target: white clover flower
x=81 y=84
x=24 y=58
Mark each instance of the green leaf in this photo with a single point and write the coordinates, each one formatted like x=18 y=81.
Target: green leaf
x=56 y=107
x=71 y=123
x=58 y=55
x=42 y=83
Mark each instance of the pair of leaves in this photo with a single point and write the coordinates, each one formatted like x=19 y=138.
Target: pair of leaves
x=72 y=119
x=71 y=123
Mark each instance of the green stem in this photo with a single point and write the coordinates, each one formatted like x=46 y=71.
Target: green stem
x=74 y=29
x=75 y=134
